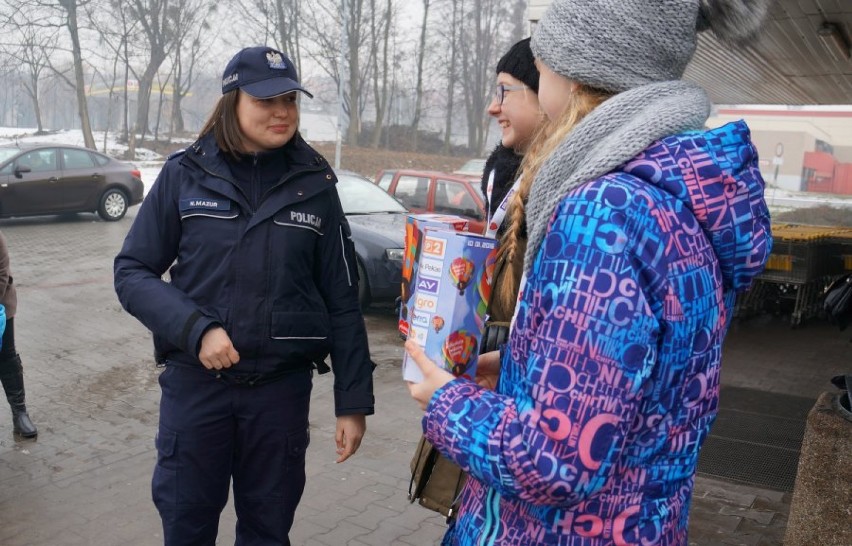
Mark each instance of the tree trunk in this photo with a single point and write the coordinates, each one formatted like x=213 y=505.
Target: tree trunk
x=143 y=100
x=159 y=106
x=32 y=91
x=177 y=126
x=354 y=73
x=125 y=128
x=415 y=123
x=451 y=74
x=381 y=91
x=70 y=7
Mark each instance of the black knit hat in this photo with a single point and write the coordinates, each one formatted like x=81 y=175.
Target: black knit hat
x=518 y=62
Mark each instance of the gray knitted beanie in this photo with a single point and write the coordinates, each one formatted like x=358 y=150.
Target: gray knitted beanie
x=617 y=45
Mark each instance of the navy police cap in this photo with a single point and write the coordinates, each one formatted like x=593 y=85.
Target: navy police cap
x=262 y=72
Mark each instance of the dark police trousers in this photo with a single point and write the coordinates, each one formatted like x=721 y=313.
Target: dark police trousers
x=212 y=429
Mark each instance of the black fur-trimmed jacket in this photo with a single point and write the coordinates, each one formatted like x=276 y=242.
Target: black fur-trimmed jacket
x=506 y=165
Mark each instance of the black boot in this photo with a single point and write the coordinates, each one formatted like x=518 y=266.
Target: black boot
x=13 y=384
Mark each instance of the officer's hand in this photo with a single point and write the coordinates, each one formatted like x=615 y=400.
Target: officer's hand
x=217 y=351
x=350 y=430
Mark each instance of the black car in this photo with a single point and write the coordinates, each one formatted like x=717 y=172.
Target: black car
x=377 y=221
x=56 y=179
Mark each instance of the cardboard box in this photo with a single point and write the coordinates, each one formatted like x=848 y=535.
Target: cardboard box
x=451 y=288
x=415 y=229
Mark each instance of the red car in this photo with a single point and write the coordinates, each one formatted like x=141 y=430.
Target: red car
x=433 y=191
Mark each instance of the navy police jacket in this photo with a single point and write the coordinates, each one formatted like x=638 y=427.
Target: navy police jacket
x=280 y=277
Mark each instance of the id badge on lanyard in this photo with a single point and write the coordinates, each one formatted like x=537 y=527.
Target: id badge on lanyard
x=494 y=222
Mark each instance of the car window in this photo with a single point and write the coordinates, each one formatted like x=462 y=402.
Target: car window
x=385 y=181
x=8 y=168
x=39 y=161
x=360 y=196
x=76 y=159
x=8 y=153
x=100 y=159
x=413 y=191
x=453 y=198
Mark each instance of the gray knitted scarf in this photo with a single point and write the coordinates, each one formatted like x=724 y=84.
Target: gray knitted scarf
x=612 y=134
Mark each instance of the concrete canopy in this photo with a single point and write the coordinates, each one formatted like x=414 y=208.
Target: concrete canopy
x=801 y=57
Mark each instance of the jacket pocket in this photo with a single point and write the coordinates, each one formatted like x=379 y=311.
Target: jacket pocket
x=214 y=231
x=300 y=335
x=299 y=325
x=292 y=242
x=164 y=485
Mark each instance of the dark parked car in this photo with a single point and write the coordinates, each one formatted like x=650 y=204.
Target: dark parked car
x=433 y=191
x=377 y=221
x=55 y=179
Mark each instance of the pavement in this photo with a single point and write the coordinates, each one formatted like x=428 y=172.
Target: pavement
x=92 y=390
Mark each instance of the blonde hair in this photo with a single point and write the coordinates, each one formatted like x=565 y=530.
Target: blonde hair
x=548 y=135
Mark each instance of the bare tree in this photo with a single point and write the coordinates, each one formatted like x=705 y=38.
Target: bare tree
x=31 y=49
x=191 y=25
x=483 y=33
x=324 y=15
x=278 y=20
x=452 y=39
x=418 y=93
x=116 y=30
x=353 y=42
x=70 y=22
x=380 y=32
x=162 y=87
x=48 y=14
x=156 y=19
x=111 y=87
x=519 y=29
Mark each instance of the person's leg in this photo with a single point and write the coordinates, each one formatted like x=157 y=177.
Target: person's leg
x=12 y=377
x=269 y=460
x=194 y=453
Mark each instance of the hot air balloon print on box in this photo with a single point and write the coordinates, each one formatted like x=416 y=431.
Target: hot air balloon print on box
x=452 y=280
x=415 y=229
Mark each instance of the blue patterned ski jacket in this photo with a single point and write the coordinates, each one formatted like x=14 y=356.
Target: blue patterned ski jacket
x=610 y=382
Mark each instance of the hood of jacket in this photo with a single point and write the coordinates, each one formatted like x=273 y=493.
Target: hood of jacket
x=715 y=174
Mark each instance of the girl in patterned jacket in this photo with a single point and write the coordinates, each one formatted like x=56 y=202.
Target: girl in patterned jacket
x=642 y=229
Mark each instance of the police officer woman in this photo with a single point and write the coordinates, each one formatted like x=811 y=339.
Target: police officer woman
x=263 y=286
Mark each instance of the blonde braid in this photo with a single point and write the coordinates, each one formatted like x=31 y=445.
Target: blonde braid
x=548 y=135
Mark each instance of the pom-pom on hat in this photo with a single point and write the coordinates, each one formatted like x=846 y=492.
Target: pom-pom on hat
x=262 y=72
x=616 y=45
x=518 y=62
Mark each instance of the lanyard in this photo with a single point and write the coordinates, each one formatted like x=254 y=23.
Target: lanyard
x=494 y=222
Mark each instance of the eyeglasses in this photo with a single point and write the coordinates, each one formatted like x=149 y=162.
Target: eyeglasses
x=500 y=91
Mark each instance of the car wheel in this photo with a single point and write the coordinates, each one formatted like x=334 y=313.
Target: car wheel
x=113 y=205
x=363 y=287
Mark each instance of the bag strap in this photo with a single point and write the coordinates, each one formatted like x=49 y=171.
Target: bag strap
x=414 y=491
x=451 y=513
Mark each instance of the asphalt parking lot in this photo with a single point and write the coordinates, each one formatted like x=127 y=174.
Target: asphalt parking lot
x=92 y=391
